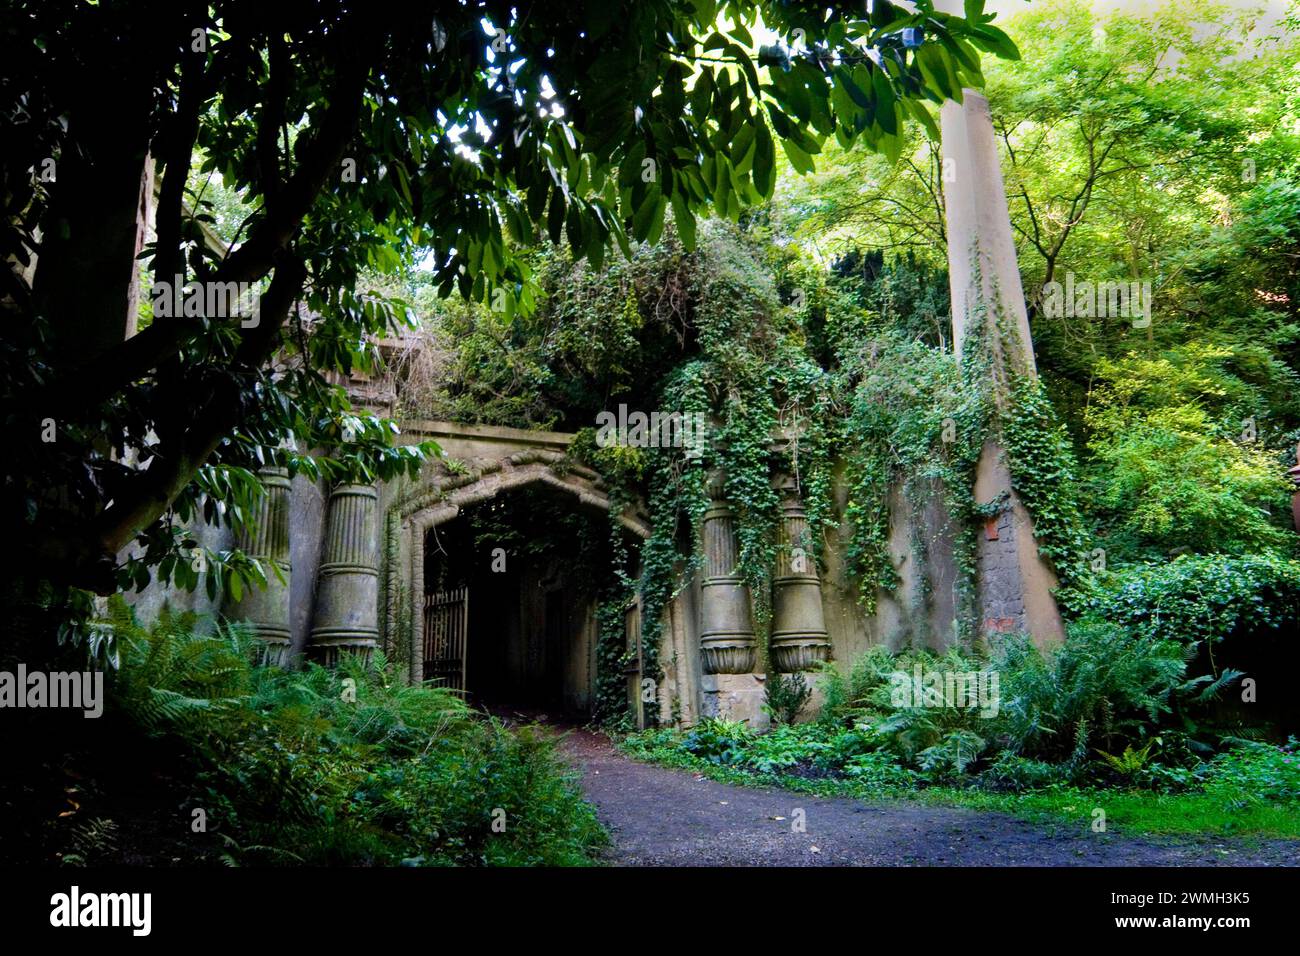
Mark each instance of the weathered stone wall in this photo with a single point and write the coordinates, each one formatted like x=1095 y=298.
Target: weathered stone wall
x=306 y=538
x=149 y=602
x=710 y=612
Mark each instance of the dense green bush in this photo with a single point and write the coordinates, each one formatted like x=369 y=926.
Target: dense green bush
x=1105 y=708
x=347 y=766
x=717 y=741
x=1235 y=617
x=1251 y=772
x=1170 y=468
x=1197 y=599
x=784 y=697
x=1014 y=772
x=865 y=699
x=1099 y=688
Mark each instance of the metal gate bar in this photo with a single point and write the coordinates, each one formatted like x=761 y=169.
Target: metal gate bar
x=446 y=629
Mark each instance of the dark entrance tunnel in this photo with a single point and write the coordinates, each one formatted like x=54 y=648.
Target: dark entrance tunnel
x=511 y=587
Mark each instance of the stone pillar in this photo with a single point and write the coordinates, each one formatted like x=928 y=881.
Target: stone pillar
x=727 y=642
x=979 y=225
x=979 y=231
x=1015 y=583
x=266 y=538
x=347 y=598
x=799 y=637
x=729 y=688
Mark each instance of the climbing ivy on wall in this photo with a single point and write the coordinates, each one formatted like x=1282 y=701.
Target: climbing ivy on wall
x=917 y=422
x=1044 y=474
x=794 y=378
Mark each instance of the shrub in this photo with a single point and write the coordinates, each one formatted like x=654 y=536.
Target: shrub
x=1168 y=470
x=784 y=696
x=950 y=757
x=844 y=747
x=1203 y=599
x=300 y=767
x=1014 y=772
x=879 y=770
x=717 y=741
x=868 y=699
x=1251 y=772
x=785 y=747
x=1235 y=617
x=1099 y=688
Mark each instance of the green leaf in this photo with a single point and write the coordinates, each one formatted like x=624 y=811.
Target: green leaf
x=922 y=114
x=764 y=160
x=852 y=84
x=800 y=160
x=884 y=101
x=995 y=41
x=555 y=218
x=685 y=221
x=930 y=59
x=644 y=221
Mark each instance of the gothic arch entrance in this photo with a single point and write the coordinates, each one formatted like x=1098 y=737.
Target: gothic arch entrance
x=511 y=586
x=501 y=593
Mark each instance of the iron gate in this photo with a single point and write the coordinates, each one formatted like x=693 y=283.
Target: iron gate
x=446 y=628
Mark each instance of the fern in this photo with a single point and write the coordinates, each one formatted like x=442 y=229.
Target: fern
x=173 y=678
x=1130 y=762
x=1100 y=684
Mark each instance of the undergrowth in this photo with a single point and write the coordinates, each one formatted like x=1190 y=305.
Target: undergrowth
x=348 y=766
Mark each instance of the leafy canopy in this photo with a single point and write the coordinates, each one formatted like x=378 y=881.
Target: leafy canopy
x=448 y=133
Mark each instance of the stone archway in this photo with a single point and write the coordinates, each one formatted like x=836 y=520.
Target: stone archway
x=480 y=463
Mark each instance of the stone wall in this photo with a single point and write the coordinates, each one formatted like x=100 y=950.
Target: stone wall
x=362 y=548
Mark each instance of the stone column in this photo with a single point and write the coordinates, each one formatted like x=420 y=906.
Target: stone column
x=347 y=597
x=1015 y=583
x=727 y=641
x=799 y=637
x=729 y=688
x=979 y=231
x=266 y=538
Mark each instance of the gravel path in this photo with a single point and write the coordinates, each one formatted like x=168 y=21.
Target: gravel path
x=664 y=817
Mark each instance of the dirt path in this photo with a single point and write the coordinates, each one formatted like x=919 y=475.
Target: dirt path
x=663 y=817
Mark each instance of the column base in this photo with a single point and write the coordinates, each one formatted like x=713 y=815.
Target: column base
x=793 y=654
x=274 y=648
x=328 y=649
x=735 y=697
x=722 y=656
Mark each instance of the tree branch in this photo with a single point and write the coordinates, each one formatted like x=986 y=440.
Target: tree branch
x=189 y=439
x=139 y=354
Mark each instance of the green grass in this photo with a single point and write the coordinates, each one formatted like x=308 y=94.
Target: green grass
x=1128 y=812
x=1134 y=811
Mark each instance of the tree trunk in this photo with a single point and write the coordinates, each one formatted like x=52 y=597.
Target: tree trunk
x=86 y=275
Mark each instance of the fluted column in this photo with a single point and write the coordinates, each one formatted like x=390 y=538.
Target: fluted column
x=799 y=637
x=347 y=598
x=727 y=642
x=266 y=538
